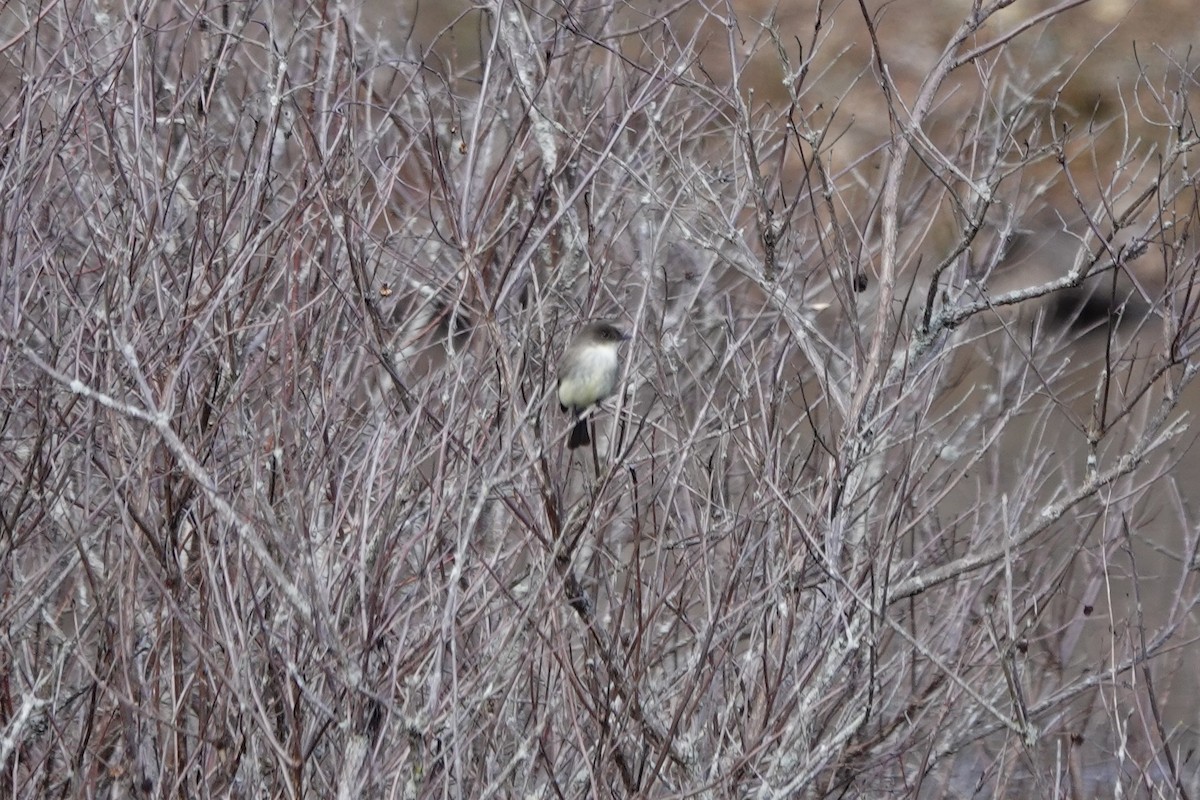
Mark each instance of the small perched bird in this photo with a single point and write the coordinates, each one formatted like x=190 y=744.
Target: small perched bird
x=587 y=373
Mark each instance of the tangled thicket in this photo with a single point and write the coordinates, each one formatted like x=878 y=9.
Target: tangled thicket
x=882 y=508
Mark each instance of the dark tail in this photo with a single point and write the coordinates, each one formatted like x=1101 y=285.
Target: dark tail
x=579 y=435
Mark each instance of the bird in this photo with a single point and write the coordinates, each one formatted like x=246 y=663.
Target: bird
x=587 y=373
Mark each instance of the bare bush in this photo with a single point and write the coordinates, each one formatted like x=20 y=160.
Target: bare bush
x=882 y=508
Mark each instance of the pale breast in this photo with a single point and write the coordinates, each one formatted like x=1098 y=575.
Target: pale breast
x=590 y=378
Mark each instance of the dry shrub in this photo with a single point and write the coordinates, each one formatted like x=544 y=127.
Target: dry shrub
x=885 y=508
